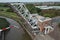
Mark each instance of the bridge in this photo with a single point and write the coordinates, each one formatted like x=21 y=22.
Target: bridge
x=17 y=7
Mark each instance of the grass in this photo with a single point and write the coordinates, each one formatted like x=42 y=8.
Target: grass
x=50 y=13
x=3 y=23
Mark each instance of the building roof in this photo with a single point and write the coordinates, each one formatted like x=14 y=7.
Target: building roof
x=41 y=18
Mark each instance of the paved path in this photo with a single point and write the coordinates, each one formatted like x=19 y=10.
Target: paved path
x=43 y=37
x=56 y=33
x=15 y=33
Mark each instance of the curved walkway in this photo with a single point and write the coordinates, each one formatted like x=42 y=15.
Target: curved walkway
x=15 y=33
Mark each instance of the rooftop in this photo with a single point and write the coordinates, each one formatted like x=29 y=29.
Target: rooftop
x=41 y=18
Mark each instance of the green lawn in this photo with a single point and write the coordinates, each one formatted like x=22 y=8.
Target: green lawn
x=51 y=13
x=3 y=23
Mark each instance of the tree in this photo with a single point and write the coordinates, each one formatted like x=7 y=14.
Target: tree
x=31 y=8
x=38 y=10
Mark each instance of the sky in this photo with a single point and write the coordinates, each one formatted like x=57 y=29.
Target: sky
x=29 y=0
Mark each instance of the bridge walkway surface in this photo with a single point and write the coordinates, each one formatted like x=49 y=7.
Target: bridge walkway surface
x=43 y=37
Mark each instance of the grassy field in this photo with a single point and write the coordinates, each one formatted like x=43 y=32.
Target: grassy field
x=5 y=11
x=3 y=23
x=50 y=13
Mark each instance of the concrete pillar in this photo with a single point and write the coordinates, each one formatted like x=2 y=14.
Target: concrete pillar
x=45 y=31
x=48 y=30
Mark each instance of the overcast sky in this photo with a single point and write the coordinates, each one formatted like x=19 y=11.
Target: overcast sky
x=29 y=0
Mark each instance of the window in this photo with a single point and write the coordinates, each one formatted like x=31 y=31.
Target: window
x=26 y=15
x=35 y=25
x=22 y=11
x=19 y=7
x=23 y=6
x=30 y=20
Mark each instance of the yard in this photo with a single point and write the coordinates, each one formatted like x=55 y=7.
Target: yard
x=50 y=13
